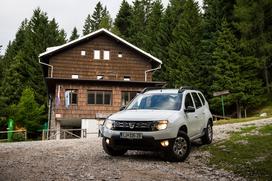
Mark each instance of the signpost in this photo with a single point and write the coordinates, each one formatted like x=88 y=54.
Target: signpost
x=222 y=93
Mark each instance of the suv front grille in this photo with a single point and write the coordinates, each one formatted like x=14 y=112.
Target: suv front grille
x=133 y=125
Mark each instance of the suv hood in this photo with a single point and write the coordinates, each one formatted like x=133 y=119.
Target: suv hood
x=142 y=115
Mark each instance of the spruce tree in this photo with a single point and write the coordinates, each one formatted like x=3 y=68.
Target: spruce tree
x=97 y=16
x=74 y=35
x=235 y=73
x=22 y=68
x=106 y=21
x=254 y=26
x=87 y=26
x=153 y=28
x=123 y=19
x=140 y=14
x=184 y=50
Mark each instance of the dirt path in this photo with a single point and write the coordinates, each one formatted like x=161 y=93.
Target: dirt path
x=85 y=160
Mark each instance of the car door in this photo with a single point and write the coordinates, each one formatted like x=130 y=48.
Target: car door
x=190 y=116
x=199 y=113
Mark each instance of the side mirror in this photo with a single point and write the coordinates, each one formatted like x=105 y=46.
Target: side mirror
x=122 y=108
x=189 y=109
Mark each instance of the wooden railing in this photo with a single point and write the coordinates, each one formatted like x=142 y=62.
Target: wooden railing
x=24 y=132
x=63 y=134
x=217 y=117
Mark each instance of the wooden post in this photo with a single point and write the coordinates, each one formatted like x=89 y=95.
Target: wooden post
x=25 y=135
x=43 y=134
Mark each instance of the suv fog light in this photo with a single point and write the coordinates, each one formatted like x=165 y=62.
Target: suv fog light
x=165 y=143
x=108 y=141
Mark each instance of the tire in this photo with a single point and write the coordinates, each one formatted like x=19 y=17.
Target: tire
x=180 y=148
x=111 y=151
x=207 y=138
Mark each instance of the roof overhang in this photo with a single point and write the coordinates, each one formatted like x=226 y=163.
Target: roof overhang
x=52 y=82
x=52 y=50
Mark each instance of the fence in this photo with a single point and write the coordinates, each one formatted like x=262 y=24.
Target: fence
x=16 y=136
x=63 y=134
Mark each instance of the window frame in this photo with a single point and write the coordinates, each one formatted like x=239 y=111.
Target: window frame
x=129 y=97
x=192 y=100
x=104 y=92
x=95 y=51
x=104 y=53
x=197 y=97
x=71 y=96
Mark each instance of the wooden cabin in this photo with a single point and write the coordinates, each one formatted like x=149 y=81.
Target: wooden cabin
x=92 y=77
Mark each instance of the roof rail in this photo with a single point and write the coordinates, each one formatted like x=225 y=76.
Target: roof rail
x=183 y=88
x=150 y=88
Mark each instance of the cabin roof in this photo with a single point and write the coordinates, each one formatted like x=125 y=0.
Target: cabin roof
x=52 y=50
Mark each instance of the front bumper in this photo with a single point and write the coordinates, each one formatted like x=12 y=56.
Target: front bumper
x=147 y=143
x=151 y=140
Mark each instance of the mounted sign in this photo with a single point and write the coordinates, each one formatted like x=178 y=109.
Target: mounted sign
x=220 y=93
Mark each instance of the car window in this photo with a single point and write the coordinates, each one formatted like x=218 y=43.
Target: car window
x=197 y=100
x=188 y=101
x=157 y=101
x=202 y=98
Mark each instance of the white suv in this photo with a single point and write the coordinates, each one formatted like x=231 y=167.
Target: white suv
x=159 y=120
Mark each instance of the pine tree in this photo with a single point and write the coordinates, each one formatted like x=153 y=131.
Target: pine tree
x=22 y=68
x=74 y=35
x=123 y=19
x=106 y=21
x=254 y=25
x=234 y=72
x=28 y=113
x=184 y=51
x=140 y=13
x=97 y=16
x=87 y=26
x=154 y=22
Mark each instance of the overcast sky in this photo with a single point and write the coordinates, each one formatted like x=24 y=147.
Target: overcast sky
x=68 y=14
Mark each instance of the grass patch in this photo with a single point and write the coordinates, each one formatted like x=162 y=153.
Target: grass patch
x=248 y=155
x=241 y=120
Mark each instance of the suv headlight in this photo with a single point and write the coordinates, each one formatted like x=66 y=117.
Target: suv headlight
x=162 y=124
x=108 y=123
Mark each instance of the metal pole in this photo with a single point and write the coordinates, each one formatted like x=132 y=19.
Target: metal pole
x=223 y=109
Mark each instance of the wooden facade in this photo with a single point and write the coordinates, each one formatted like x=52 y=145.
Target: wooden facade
x=120 y=69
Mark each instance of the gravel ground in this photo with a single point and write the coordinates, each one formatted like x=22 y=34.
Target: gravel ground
x=85 y=160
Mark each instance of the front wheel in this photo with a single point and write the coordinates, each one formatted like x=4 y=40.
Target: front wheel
x=112 y=151
x=208 y=134
x=180 y=148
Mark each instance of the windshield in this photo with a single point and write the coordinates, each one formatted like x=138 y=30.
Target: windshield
x=156 y=101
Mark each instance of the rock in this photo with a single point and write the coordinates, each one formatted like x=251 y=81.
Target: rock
x=263 y=114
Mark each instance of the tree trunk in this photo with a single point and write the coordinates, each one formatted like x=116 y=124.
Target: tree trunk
x=238 y=109
x=245 y=111
x=266 y=79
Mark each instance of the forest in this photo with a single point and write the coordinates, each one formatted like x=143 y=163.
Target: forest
x=224 y=45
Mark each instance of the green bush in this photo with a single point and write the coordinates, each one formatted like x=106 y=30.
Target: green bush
x=19 y=136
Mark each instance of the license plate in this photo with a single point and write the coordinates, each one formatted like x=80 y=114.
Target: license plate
x=128 y=135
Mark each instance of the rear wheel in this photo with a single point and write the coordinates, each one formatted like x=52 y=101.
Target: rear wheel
x=180 y=148
x=112 y=151
x=208 y=135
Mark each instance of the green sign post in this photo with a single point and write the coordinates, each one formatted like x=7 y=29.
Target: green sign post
x=222 y=93
x=10 y=129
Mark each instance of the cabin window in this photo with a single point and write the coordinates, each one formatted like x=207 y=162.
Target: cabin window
x=83 y=53
x=127 y=78
x=106 y=54
x=74 y=76
x=70 y=97
x=96 y=54
x=99 y=97
x=120 y=55
x=127 y=96
x=100 y=77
